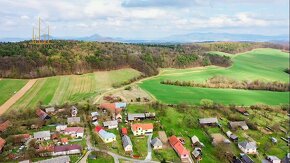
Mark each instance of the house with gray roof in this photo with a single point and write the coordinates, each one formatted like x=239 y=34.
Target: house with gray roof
x=107 y=137
x=248 y=147
x=111 y=124
x=235 y=125
x=127 y=144
x=272 y=159
x=286 y=159
x=60 y=159
x=42 y=135
x=73 y=120
x=50 y=110
x=74 y=111
x=156 y=143
x=245 y=158
x=195 y=141
x=208 y=121
x=94 y=114
x=135 y=116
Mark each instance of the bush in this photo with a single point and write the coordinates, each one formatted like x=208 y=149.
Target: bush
x=206 y=103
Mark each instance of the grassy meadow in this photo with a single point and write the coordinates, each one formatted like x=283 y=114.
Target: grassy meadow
x=72 y=88
x=261 y=64
x=8 y=87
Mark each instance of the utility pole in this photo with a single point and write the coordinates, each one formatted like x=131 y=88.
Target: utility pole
x=32 y=34
x=48 y=33
x=39 y=29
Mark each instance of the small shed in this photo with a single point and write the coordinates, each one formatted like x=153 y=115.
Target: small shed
x=111 y=124
x=156 y=143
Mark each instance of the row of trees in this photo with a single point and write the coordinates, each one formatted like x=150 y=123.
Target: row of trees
x=23 y=60
x=223 y=82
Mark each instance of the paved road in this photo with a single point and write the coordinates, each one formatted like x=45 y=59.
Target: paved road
x=114 y=155
x=149 y=149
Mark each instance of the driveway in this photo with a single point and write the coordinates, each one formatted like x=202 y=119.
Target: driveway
x=149 y=149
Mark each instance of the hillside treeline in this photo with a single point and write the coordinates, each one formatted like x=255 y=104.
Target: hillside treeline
x=239 y=47
x=224 y=82
x=23 y=60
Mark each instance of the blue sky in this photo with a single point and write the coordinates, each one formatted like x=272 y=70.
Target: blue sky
x=144 y=19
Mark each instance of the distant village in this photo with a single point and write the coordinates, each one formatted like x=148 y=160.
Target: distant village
x=60 y=140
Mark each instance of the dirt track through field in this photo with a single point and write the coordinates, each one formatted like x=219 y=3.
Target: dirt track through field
x=16 y=96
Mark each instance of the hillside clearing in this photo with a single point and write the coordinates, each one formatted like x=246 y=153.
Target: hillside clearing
x=262 y=64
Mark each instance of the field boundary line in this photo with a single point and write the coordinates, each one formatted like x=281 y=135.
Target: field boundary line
x=16 y=96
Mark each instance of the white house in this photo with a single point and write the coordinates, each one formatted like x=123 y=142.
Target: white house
x=50 y=110
x=111 y=124
x=74 y=132
x=273 y=159
x=156 y=143
x=74 y=111
x=127 y=144
x=60 y=127
x=42 y=135
x=248 y=147
x=67 y=149
x=60 y=159
x=94 y=114
x=142 y=128
x=73 y=120
x=107 y=137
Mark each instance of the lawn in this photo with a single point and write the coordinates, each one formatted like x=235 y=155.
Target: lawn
x=8 y=87
x=72 y=88
x=262 y=64
x=101 y=158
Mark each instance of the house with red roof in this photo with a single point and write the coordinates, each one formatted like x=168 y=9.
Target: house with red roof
x=74 y=131
x=4 y=126
x=42 y=114
x=182 y=152
x=142 y=128
x=124 y=131
x=21 y=138
x=2 y=143
x=64 y=141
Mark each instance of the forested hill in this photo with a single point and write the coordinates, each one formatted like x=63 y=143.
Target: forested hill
x=22 y=60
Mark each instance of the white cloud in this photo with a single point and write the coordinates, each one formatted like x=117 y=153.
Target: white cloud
x=90 y=16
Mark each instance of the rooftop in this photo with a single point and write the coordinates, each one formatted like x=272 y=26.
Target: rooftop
x=132 y=116
x=208 y=120
x=144 y=126
x=110 y=123
x=41 y=134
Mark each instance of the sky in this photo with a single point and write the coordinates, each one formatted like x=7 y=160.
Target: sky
x=144 y=19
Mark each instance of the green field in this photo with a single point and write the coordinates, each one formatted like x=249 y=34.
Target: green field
x=72 y=88
x=262 y=64
x=8 y=87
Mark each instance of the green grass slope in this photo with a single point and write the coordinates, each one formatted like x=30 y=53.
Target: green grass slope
x=8 y=87
x=72 y=88
x=262 y=64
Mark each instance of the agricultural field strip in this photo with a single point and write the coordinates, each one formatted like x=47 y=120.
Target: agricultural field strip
x=16 y=96
x=72 y=88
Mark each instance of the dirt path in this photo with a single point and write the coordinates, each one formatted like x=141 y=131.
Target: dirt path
x=16 y=96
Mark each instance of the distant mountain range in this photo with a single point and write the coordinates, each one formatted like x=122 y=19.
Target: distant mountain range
x=186 y=38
